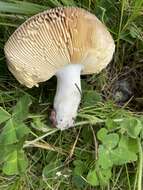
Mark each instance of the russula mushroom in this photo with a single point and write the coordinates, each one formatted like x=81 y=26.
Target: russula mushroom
x=65 y=42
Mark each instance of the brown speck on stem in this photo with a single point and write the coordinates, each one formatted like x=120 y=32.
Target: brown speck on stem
x=53 y=118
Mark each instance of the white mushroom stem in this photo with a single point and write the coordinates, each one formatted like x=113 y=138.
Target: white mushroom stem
x=68 y=95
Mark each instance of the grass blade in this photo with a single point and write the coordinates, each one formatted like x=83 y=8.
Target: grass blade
x=21 y=7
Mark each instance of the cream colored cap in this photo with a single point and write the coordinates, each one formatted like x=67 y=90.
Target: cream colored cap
x=52 y=39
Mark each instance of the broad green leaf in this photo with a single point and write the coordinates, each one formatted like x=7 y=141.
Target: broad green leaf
x=111 y=140
x=13 y=132
x=122 y=156
x=10 y=166
x=111 y=124
x=20 y=7
x=4 y=115
x=16 y=163
x=133 y=126
x=79 y=167
x=116 y=152
x=125 y=152
x=104 y=161
x=21 y=130
x=20 y=111
x=8 y=135
x=133 y=145
x=104 y=176
x=102 y=134
x=128 y=143
x=92 y=178
x=5 y=150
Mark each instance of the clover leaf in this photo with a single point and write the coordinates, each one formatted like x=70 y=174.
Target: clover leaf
x=92 y=178
x=15 y=163
x=132 y=126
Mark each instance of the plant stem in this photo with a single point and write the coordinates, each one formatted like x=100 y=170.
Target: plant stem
x=120 y=23
x=140 y=166
x=135 y=181
x=95 y=143
x=129 y=185
x=39 y=138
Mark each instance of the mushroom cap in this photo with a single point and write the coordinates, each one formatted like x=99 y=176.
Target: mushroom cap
x=54 y=38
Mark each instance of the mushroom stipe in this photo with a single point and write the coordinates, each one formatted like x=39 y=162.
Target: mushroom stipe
x=66 y=42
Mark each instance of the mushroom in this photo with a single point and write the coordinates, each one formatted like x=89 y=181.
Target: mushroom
x=65 y=42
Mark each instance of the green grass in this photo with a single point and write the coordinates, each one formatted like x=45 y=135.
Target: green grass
x=104 y=150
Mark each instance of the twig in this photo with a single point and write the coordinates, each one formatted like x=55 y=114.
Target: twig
x=46 y=146
x=117 y=178
x=73 y=148
x=95 y=143
x=78 y=89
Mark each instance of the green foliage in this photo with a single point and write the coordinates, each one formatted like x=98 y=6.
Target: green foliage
x=52 y=169
x=92 y=178
x=79 y=167
x=16 y=163
x=118 y=146
x=107 y=154
x=20 y=111
x=133 y=126
x=90 y=98
x=20 y=7
x=79 y=182
x=12 y=137
x=4 y=115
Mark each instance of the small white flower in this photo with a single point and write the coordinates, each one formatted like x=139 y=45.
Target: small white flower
x=58 y=173
x=66 y=176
